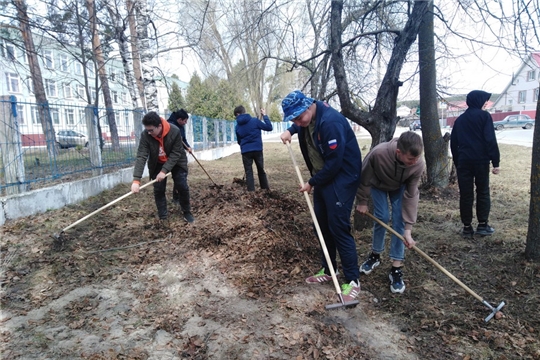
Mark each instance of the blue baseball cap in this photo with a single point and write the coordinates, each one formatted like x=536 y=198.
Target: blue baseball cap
x=295 y=104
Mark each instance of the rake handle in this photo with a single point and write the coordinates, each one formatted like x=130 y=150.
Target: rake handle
x=316 y=223
x=428 y=258
x=108 y=205
x=199 y=164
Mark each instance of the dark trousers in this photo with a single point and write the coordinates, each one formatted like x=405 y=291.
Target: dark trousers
x=179 y=176
x=247 y=159
x=469 y=176
x=333 y=214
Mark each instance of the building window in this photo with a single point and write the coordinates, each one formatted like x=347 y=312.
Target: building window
x=82 y=115
x=35 y=115
x=80 y=91
x=64 y=65
x=531 y=75
x=13 y=82
x=78 y=68
x=522 y=96
x=93 y=94
x=68 y=92
x=20 y=114
x=10 y=52
x=115 y=97
x=50 y=88
x=536 y=94
x=55 y=116
x=123 y=96
x=70 y=116
x=48 y=59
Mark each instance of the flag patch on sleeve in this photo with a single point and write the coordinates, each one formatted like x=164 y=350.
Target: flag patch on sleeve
x=332 y=144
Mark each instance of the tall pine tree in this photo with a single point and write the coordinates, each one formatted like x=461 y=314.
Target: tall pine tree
x=176 y=99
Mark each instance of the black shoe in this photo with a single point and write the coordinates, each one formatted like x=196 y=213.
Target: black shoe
x=484 y=230
x=396 y=281
x=467 y=232
x=189 y=217
x=371 y=263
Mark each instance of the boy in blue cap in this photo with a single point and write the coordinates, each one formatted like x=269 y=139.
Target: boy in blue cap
x=332 y=155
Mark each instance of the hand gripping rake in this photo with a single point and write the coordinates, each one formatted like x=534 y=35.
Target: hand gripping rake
x=323 y=244
x=446 y=272
x=59 y=239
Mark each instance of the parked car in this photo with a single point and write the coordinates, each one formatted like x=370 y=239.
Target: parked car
x=415 y=125
x=514 y=121
x=71 y=138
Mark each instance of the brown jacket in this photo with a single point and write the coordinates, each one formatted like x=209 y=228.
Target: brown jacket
x=382 y=170
x=149 y=151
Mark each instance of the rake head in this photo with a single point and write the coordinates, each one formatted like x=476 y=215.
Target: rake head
x=59 y=241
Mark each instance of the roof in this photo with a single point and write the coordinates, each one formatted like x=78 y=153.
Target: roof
x=536 y=58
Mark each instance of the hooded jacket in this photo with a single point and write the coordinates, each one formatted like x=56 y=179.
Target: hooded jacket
x=473 y=138
x=173 y=119
x=149 y=151
x=248 y=132
x=336 y=143
x=383 y=170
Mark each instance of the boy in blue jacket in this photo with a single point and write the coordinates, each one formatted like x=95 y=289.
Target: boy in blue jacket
x=248 y=135
x=332 y=155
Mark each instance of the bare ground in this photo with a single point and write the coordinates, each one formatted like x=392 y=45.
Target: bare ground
x=231 y=285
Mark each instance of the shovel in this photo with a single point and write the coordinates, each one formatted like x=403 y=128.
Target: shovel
x=446 y=272
x=59 y=239
x=342 y=302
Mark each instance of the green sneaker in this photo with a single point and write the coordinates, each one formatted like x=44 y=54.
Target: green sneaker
x=350 y=291
x=319 y=277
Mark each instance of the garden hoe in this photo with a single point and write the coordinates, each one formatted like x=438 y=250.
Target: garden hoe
x=215 y=185
x=446 y=272
x=342 y=302
x=59 y=238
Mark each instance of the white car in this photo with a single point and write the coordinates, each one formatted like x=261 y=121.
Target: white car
x=71 y=138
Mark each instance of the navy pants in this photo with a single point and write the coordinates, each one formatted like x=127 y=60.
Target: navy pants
x=470 y=175
x=333 y=213
x=179 y=176
x=247 y=160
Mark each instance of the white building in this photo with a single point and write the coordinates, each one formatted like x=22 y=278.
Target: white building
x=521 y=94
x=68 y=94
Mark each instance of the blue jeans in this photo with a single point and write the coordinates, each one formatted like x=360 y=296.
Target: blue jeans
x=381 y=211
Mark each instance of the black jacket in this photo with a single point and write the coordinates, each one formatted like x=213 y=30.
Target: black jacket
x=473 y=138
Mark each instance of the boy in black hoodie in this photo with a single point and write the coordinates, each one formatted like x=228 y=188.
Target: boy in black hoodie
x=474 y=146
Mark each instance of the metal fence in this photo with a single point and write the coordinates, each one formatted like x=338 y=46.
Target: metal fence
x=84 y=146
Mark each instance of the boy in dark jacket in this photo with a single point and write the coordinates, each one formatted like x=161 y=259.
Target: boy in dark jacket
x=332 y=155
x=474 y=146
x=160 y=146
x=181 y=189
x=248 y=135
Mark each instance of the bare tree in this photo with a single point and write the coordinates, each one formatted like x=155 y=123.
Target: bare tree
x=100 y=61
x=135 y=55
x=435 y=145
x=37 y=79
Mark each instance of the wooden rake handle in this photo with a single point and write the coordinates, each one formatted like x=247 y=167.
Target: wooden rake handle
x=316 y=223
x=108 y=205
x=428 y=258
x=200 y=164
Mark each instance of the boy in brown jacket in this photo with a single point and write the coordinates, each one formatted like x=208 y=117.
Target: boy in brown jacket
x=391 y=172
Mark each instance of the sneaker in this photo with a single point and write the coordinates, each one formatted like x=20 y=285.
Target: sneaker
x=484 y=230
x=350 y=291
x=371 y=263
x=467 y=232
x=319 y=277
x=189 y=217
x=396 y=279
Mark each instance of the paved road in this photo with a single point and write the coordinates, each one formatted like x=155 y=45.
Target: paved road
x=523 y=137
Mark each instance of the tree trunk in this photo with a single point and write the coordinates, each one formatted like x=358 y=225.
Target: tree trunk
x=135 y=55
x=98 y=56
x=37 y=80
x=532 y=248
x=435 y=146
x=143 y=44
x=381 y=121
x=127 y=61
